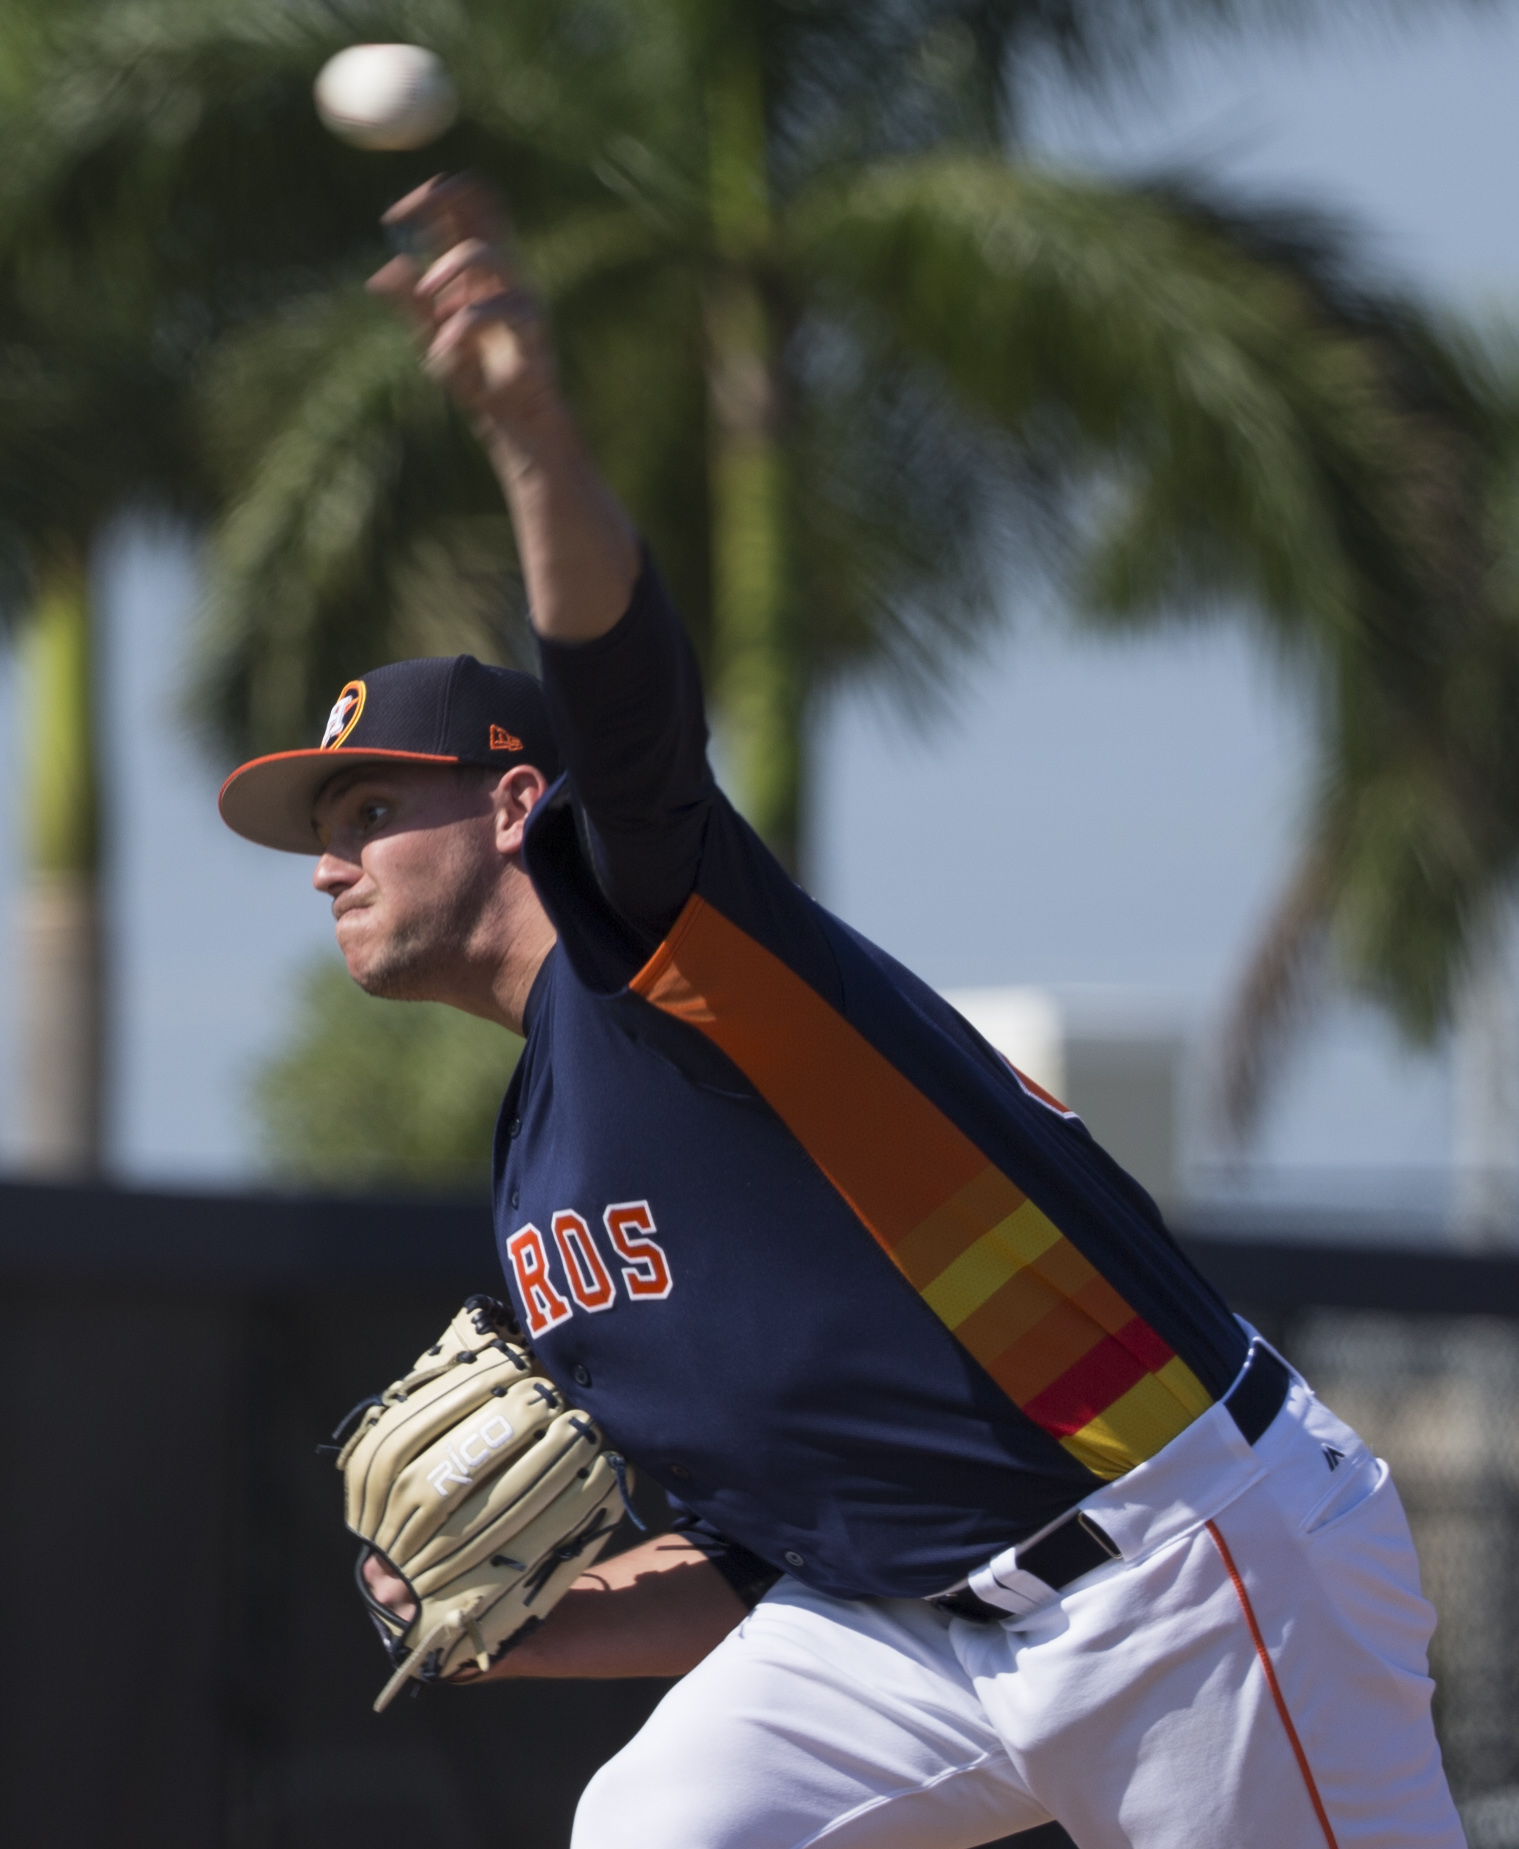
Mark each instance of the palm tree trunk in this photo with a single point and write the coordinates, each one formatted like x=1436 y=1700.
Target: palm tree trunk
x=758 y=683
x=63 y=1117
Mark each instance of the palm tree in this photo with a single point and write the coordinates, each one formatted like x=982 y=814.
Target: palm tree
x=1411 y=852
x=835 y=343
x=830 y=339
x=90 y=422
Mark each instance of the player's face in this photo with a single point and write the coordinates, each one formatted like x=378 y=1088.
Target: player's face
x=410 y=864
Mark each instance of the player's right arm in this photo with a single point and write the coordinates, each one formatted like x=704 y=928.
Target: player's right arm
x=618 y=670
x=485 y=339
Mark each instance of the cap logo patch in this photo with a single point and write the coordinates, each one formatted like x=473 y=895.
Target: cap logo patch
x=502 y=740
x=344 y=715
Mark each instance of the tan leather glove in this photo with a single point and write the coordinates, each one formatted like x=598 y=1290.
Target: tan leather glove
x=482 y=1490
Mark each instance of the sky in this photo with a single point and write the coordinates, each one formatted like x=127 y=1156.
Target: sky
x=1086 y=812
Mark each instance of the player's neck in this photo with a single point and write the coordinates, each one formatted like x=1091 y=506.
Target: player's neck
x=511 y=947
x=490 y=973
x=519 y=967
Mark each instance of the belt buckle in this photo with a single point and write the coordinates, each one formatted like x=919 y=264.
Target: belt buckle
x=1009 y=1585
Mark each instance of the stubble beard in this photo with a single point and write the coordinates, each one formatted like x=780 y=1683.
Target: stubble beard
x=419 y=956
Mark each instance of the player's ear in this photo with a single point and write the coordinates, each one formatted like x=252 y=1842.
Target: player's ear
x=513 y=799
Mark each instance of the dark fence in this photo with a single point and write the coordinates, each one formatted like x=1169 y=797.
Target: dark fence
x=188 y=1666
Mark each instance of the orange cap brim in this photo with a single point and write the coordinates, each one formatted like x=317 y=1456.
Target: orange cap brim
x=270 y=800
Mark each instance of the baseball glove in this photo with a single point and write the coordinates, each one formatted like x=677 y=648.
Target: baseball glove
x=474 y=1482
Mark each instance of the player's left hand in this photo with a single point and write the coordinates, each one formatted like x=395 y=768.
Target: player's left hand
x=388 y=1588
x=482 y=329
x=391 y=1591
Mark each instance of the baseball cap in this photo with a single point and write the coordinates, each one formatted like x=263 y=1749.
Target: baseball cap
x=441 y=710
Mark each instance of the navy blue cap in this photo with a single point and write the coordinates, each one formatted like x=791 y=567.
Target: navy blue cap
x=440 y=710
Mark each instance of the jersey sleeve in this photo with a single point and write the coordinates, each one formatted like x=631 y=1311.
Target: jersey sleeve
x=628 y=716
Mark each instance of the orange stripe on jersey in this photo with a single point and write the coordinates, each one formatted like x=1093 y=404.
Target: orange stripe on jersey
x=1024 y=1301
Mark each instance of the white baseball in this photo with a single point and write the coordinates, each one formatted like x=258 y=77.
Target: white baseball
x=386 y=96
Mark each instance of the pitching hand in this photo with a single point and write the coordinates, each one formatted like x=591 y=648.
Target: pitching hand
x=484 y=337
x=482 y=331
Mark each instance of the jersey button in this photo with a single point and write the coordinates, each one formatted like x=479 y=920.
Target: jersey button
x=514 y=1128
x=792 y=1558
x=680 y=1473
x=516 y=1197
x=582 y=1374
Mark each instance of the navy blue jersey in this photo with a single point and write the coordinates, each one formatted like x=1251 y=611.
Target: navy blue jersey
x=819 y=1260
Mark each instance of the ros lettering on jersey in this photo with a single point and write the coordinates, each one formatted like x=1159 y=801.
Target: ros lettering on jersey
x=590 y=1283
x=544 y=1306
x=644 y=1269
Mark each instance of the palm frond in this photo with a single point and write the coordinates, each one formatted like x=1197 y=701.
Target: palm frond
x=1259 y=435
x=1284 y=976
x=1416 y=817
x=361 y=522
x=861 y=80
x=906 y=516
x=179 y=136
x=337 y=551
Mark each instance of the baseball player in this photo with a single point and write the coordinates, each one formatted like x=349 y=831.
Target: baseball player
x=993 y=1514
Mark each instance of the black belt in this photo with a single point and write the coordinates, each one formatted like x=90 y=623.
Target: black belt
x=1079 y=1544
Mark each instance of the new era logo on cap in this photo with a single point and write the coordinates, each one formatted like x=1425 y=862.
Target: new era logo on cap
x=441 y=710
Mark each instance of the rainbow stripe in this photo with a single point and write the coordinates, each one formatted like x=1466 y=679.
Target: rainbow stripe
x=1031 y=1309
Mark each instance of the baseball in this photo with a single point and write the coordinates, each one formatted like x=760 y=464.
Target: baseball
x=386 y=96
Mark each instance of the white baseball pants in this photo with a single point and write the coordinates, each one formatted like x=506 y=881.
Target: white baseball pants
x=1250 y=1675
